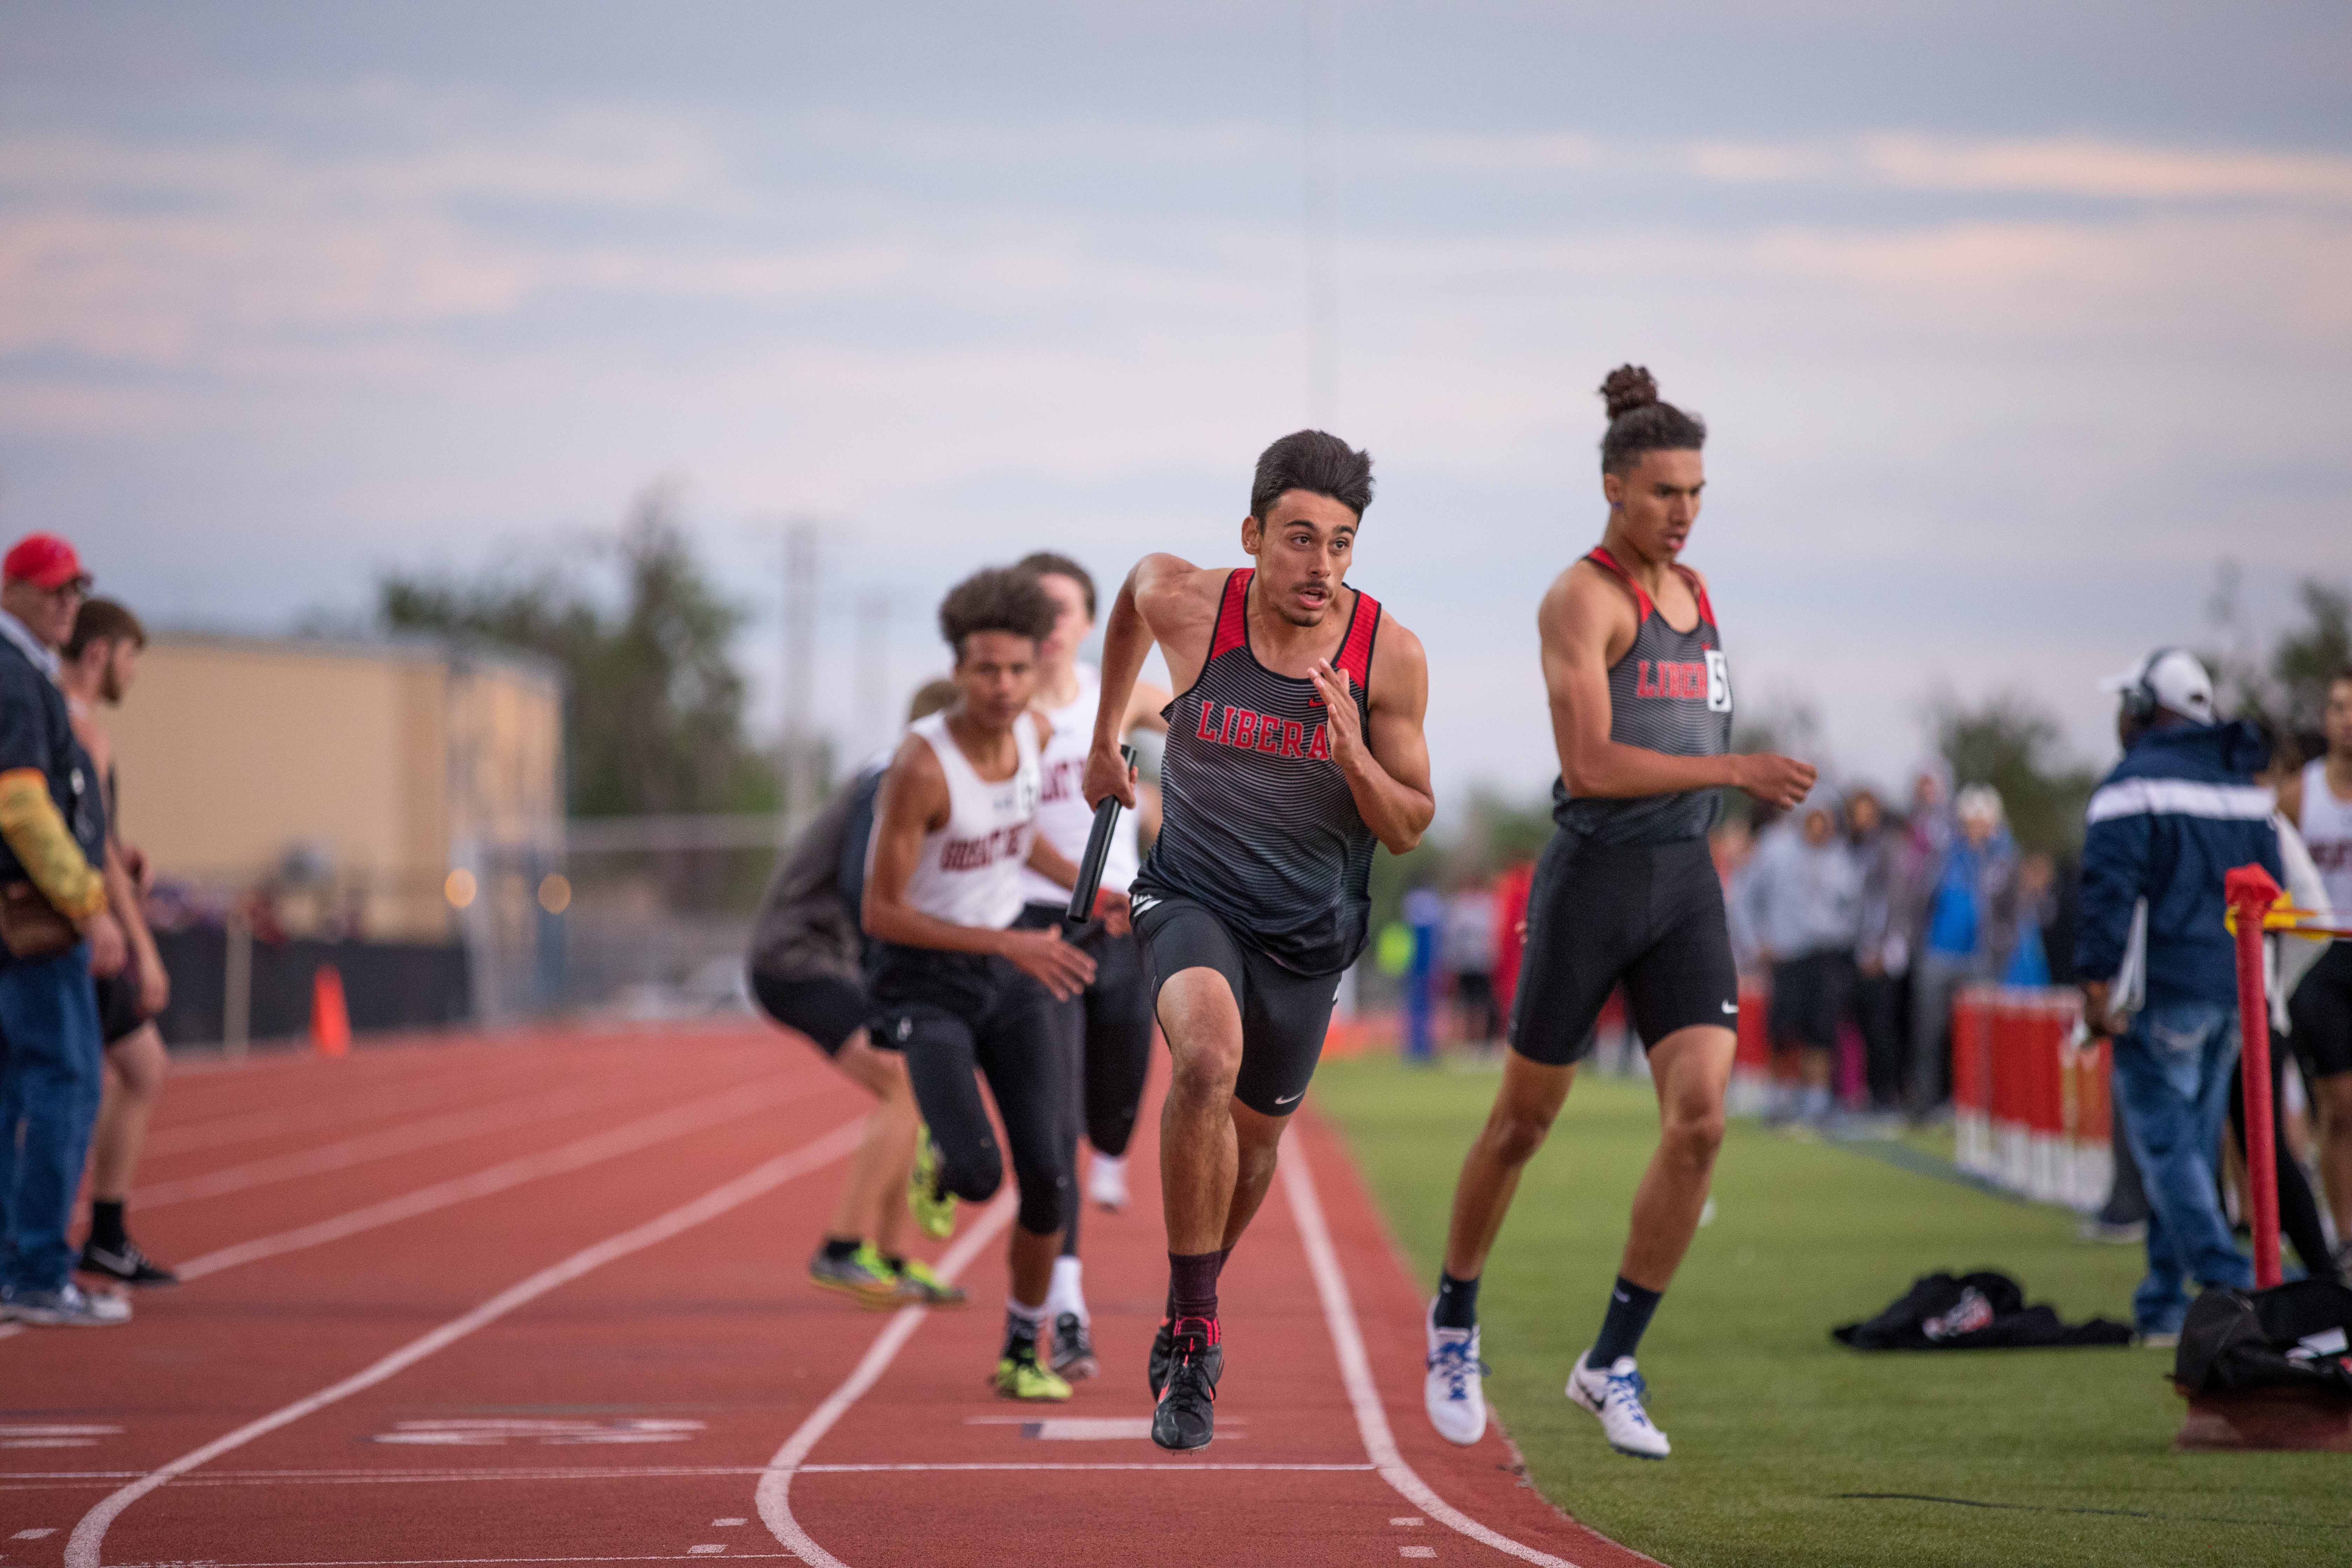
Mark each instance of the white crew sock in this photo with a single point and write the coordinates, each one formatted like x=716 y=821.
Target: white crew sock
x=1065 y=1294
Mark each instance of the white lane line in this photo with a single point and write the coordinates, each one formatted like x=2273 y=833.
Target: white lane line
x=1165 y=1466
x=74 y=1480
x=453 y=1562
x=694 y=1116
x=774 y=1494
x=89 y=1535
x=474 y=1121
x=1356 y=1369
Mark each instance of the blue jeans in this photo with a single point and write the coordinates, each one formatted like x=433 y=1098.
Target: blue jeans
x=2172 y=1088
x=51 y=1063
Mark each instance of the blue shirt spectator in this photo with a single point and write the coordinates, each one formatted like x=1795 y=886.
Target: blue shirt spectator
x=2179 y=811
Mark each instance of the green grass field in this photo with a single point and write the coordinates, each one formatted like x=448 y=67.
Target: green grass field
x=2066 y=1452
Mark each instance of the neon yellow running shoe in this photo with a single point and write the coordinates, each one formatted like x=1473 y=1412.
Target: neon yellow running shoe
x=933 y=1210
x=861 y=1275
x=918 y=1286
x=1019 y=1376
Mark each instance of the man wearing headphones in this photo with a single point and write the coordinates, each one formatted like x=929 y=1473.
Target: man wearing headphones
x=2177 y=814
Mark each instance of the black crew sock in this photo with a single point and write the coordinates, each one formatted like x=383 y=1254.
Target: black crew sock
x=1457 y=1301
x=895 y=1265
x=1192 y=1284
x=106 y=1224
x=1220 y=1256
x=1630 y=1307
x=840 y=1251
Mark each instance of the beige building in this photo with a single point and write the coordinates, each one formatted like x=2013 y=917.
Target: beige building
x=377 y=788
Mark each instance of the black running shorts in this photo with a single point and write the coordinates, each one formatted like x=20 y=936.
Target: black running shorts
x=1649 y=916
x=1106 y=1027
x=959 y=1017
x=119 y=1017
x=2321 y=1012
x=1284 y=1013
x=826 y=1009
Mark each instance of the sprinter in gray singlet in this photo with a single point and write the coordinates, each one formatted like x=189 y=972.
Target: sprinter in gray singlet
x=1625 y=893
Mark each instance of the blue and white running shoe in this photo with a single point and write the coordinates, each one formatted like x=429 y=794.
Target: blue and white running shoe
x=1455 y=1394
x=1615 y=1397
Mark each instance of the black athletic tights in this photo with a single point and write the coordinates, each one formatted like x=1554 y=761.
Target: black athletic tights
x=2298 y=1214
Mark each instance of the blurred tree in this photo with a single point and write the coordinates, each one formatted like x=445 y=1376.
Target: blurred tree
x=2009 y=743
x=2286 y=685
x=653 y=712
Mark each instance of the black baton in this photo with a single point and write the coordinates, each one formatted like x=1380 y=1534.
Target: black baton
x=1090 y=868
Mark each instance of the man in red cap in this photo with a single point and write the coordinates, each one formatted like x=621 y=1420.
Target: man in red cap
x=55 y=933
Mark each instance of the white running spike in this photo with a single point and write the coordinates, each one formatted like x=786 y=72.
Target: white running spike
x=1615 y=1397
x=1454 y=1391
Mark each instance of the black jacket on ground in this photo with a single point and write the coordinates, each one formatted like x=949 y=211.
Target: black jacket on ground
x=1985 y=1311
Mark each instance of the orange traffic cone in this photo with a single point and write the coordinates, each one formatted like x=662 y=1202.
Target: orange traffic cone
x=330 y=1021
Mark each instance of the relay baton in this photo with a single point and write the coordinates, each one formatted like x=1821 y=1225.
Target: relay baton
x=1090 y=868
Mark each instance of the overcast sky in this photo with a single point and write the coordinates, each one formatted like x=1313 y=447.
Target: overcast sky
x=2010 y=320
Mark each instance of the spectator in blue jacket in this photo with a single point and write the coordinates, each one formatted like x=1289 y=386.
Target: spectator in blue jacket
x=2179 y=811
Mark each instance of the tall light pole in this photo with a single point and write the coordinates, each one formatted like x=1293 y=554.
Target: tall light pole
x=874 y=715
x=798 y=747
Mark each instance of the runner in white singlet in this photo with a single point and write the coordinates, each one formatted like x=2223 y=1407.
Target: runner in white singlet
x=1106 y=1030
x=955 y=987
x=2318 y=801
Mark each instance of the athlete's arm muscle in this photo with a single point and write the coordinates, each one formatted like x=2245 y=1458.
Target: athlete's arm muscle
x=1167 y=600
x=912 y=803
x=1143 y=710
x=1386 y=759
x=1586 y=623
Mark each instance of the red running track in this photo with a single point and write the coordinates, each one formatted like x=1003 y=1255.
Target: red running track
x=541 y=1301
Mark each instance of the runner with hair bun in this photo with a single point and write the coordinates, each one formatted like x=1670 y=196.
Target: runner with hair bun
x=1626 y=893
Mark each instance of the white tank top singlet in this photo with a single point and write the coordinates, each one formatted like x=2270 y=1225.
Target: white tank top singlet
x=1064 y=820
x=2326 y=829
x=970 y=870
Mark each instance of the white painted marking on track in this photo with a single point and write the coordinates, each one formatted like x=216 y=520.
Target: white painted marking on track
x=1409 y=1523
x=1088 y=1428
x=694 y=1116
x=481 y=1434
x=725 y=1524
x=82 y=1551
x=1356 y=1370
x=33 y=1534
x=774 y=1494
x=1416 y=1551
x=704 y=1551
x=1169 y=1467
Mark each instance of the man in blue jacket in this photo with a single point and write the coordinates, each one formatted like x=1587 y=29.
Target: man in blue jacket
x=2178 y=812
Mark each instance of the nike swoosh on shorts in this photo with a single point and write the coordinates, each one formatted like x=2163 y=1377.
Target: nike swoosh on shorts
x=1287 y=1099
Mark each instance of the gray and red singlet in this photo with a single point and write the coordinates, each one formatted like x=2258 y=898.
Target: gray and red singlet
x=1256 y=822
x=1671 y=692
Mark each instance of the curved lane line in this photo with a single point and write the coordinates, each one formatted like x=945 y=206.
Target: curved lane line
x=1356 y=1370
x=774 y=1495
x=82 y=1551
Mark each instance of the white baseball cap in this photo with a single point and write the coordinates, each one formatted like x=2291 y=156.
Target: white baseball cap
x=2174 y=678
